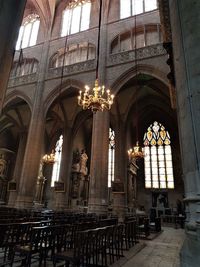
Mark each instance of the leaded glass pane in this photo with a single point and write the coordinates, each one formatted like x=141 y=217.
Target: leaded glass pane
x=155 y=184
x=125 y=8
x=150 y=5
x=19 y=40
x=170 y=185
x=85 y=18
x=76 y=16
x=26 y=35
x=161 y=164
x=137 y=7
x=148 y=184
x=34 y=32
x=163 y=184
x=159 y=156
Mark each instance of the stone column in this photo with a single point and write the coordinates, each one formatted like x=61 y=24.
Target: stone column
x=98 y=192
x=35 y=139
x=31 y=162
x=186 y=35
x=17 y=169
x=11 y=14
x=61 y=198
x=120 y=198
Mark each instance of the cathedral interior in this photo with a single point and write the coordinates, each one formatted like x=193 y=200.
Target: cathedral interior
x=99 y=122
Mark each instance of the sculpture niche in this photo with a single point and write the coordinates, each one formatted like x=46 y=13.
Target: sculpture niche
x=79 y=175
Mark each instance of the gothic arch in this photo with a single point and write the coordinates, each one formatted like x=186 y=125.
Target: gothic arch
x=17 y=94
x=51 y=97
x=144 y=69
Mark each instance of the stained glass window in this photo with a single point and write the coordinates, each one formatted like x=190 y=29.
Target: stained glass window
x=158 y=158
x=134 y=7
x=111 y=157
x=76 y=19
x=58 y=156
x=28 y=32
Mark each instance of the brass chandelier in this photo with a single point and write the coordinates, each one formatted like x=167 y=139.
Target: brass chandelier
x=136 y=152
x=100 y=99
x=97 y=100
x=49 y=158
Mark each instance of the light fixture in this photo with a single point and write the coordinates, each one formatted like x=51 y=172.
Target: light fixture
x=136 y=152
x=96 y=101
x=100 y=99
x=49 y=158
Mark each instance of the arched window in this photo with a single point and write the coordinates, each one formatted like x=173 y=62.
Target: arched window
x=134 y=7
x=26 y=67
x=158 y=158
x=74 y=54
x=58 y=156
x=111 y=157
x=28 y=32
x=76 y=19
x=144 y=35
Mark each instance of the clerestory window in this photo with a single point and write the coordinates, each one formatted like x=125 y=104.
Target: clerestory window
x=76 y=19
x=134 y=7
x=158 y=158
x=28 y=32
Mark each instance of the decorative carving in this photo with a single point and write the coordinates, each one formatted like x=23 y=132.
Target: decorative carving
x=165 y=20
x=74 y=68
x=141 y=53
x=3 y=166
x=31 y=78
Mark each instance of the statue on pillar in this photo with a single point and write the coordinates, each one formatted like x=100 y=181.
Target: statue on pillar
x=3 y=165
x=132 y=183
x=79 y=173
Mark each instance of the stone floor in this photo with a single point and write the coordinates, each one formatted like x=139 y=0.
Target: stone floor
x=163 y=251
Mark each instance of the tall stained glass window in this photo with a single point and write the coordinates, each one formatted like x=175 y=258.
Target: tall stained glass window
x=76 y=19
x=111 y=157
x=28 y=32
x=58 y=156
x=134 y=7
x=158 y=158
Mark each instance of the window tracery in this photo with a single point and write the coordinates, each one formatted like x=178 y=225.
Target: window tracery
x=134 y=7
x=158 y=158
x=144 y=35
x=26 y=67
x=28 y=32
x=76 y=19
x=74 y=54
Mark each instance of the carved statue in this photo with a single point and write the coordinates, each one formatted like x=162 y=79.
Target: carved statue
x=3 y=164
x=83 y=161
x=79 y=173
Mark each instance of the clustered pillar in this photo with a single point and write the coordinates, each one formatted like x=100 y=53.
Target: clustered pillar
x=186 y=35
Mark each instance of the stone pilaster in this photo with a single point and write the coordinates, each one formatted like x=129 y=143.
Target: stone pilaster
x=185 y=34
x=98 y=192
x=17 y=169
